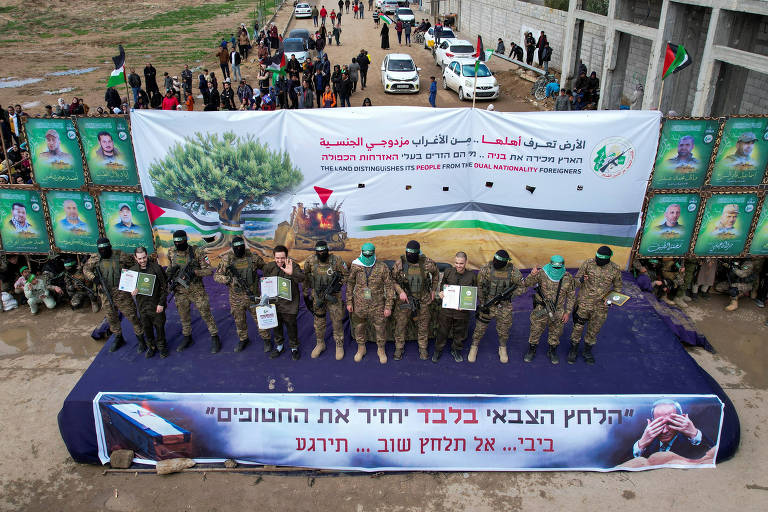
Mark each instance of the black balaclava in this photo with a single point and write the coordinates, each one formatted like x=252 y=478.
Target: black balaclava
x=104 y=246
x=500 y=259
x=603 y=256
x=238 y=246
x=321 y=250
x=412 y=251
x=180 y=240
x=70 y=266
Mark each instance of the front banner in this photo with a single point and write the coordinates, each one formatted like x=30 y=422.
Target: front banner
x=414 y=432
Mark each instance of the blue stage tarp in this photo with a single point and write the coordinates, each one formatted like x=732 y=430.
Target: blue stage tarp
x=637 y=353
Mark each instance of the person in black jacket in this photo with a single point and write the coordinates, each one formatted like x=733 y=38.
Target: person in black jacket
x=150 y=78
x=227 y=96
x=363 y=62
x=112 y=97
x=152 y=307
x=671 y=431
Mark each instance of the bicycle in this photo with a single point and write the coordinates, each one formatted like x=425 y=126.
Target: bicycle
x=539 y=87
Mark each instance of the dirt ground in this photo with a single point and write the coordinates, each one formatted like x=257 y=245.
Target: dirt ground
x=42 y=358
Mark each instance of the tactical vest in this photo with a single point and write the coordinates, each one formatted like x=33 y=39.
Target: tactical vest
x=181 y=259
x=414 y=275
x=500 y=280
x=110 y=269
x=245 y=270
x=322 y=272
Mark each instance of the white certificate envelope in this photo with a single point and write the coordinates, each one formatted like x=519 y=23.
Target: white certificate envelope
x=266 y=316
x=451 y=294
x=128 y=280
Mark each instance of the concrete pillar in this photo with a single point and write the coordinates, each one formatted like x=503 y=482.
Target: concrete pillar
x=567 y=62
x=653 y=80
x=610 y=53
x=705 y=85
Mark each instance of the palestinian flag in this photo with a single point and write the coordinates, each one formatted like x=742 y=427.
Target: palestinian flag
x=675 y=59
x=277 y=64
x=386 y=19
x=480 y=53
x=118 y=75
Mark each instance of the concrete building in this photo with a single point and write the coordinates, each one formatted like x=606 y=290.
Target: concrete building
x=727 y=41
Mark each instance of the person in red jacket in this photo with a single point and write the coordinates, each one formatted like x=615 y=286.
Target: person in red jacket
x=170 y=102
x=323 y=15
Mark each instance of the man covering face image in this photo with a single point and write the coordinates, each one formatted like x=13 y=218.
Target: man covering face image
x=54 y=153
x=684 y=156
x=742 y=157
x=126 y=220
x=72 y=221
x=669 y=430
x=726 y=226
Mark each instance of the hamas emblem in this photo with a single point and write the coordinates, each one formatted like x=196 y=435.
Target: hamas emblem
x=612 y=157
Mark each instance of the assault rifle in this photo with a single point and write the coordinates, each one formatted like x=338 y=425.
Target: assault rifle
x=77 y=283
x=548 y=304
x=181 y=276
x=327 y=296
x=101 y=282
x=485 y=308
x=413 y=303
x=241 y=284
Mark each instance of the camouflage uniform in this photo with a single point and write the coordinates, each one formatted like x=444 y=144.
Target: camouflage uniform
x=540 y=319
x=422 y=277
x=491 y=282
x=77 y=295
x=110 y=270
x=597 y=282
x=317 y=276
x=152 y=321
x=370 y=289
x=196 y=293
x=674 y=279
x=239 y=303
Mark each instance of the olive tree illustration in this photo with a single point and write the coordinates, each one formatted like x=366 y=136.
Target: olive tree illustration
x=224 y=175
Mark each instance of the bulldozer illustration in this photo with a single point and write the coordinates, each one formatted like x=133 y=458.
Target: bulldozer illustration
x=308 y=225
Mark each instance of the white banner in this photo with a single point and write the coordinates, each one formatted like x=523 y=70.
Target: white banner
x=533 y=183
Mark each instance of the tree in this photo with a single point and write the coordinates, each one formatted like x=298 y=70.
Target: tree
x=223 y=175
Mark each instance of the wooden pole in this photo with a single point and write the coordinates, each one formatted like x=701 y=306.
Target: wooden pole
x=474 y=92
x=661 y=92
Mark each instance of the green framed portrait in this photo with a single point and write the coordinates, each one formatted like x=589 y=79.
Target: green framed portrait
x=55 y=153
x=669 y=223
x=22 y=222
x=725 y=224
x=126 y=222
x=759 y=245
x=74 y=221
x=743 y=153
x=108 y=150
x=685 y=148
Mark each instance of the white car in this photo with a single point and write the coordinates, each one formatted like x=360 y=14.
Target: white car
x=405 y=14
x=399 y=73
x=302 y=11
x=429 y=37
x=459 y=75
x=388 y=6
x=453 y=49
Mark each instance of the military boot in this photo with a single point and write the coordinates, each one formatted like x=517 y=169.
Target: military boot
x=142 y=346
x=588 y=357
x=399 y=351
x=185 y=344
x=503 y=358
x=528 y=357
x=267 y=346
x=339 y=350
x=472 y=353
x=436 y=355
x=733 y=305
x=573 y=353
x=457 y=356
x=119 y=342
x=382 y=354
x=151 y=349
x=360 y=352
x=552 y=354
x=215 y=343
x=319 y=349
x=242 y=344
